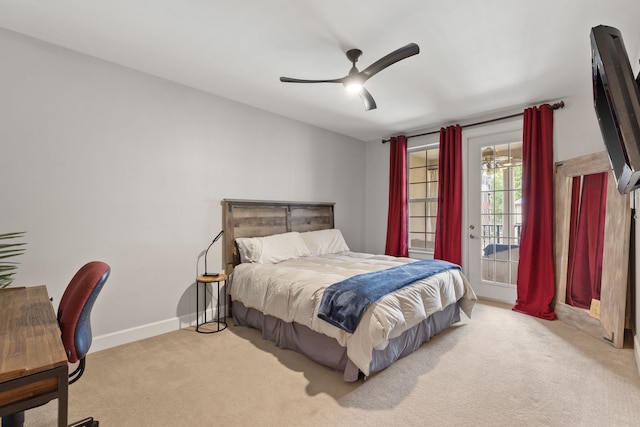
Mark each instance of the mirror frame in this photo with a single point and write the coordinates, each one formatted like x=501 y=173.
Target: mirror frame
x=615 y=263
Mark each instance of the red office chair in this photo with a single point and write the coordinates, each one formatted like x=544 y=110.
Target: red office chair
x=74 y=317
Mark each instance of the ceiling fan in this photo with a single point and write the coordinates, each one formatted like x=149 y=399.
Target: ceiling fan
x=355 y=79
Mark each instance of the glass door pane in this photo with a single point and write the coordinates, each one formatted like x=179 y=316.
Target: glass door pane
x=500 y=211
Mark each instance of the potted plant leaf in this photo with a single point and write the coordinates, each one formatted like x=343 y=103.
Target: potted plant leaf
x=9 y=248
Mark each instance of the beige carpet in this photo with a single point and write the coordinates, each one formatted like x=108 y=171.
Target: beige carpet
x=500 y=368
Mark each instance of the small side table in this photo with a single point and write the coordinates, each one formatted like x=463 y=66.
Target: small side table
x=221 y=324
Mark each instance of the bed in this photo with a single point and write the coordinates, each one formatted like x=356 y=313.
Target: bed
x=286 y=258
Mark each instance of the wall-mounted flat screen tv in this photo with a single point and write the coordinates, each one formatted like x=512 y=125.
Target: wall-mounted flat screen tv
x=617 y=103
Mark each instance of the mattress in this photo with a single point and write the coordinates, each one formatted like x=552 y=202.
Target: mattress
x=292 y=291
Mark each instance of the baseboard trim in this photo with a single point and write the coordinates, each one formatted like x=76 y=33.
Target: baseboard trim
x=126 y=336
x=636 y=349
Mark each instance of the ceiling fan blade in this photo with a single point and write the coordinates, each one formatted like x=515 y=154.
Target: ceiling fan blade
x=292 y=80
x=369 y=103
x=395 y=56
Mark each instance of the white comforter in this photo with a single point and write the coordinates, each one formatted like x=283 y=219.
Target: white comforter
x=292 y=291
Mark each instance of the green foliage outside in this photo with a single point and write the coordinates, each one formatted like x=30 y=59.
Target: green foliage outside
x=498 y=195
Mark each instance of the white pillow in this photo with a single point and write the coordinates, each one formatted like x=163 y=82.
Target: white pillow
x=323 y=242
x=272 y=249
x=246 y=248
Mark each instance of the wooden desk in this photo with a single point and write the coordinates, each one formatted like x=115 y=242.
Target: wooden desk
x=33 y=363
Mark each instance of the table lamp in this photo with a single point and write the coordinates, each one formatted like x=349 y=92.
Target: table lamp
x=207 y=274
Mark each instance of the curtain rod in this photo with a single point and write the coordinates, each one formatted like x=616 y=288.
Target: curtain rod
x=555 y=106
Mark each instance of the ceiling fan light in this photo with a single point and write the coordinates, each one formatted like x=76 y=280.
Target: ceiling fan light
x=354 y=87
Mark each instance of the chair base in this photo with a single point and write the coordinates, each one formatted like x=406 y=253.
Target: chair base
x=13 y=420
x=87 y=422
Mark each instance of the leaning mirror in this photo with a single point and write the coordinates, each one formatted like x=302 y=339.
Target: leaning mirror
x=592 y=232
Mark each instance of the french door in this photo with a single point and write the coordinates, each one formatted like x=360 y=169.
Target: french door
x=494 y=219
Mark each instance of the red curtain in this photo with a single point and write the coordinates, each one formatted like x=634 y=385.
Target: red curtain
x=536 y=273
x=397 y=219
x=586 y=239
x=448 y=244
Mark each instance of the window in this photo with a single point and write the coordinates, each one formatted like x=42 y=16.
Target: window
x=423 y=197
x=500 y=211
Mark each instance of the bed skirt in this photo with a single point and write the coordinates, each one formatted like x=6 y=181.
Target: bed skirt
x=326 y=350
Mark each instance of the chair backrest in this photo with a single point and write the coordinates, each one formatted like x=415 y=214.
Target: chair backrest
x=74 y=310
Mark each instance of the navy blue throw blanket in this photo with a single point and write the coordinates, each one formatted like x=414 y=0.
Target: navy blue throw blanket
x=344 y=303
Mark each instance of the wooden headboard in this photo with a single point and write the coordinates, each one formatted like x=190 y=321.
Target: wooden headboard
x=259 y=218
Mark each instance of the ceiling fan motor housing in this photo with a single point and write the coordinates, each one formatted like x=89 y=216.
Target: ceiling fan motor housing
x=354 y=55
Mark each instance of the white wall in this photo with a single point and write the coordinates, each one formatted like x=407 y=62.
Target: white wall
x=376 y=196
x=576 y=130
x=102 y=162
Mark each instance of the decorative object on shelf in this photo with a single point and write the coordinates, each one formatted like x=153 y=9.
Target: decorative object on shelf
x=9 y=250
x=206 y=273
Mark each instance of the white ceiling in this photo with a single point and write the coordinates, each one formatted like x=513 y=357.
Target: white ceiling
x=476 y=57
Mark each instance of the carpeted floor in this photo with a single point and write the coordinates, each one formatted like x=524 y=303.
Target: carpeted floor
x=500 y=368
